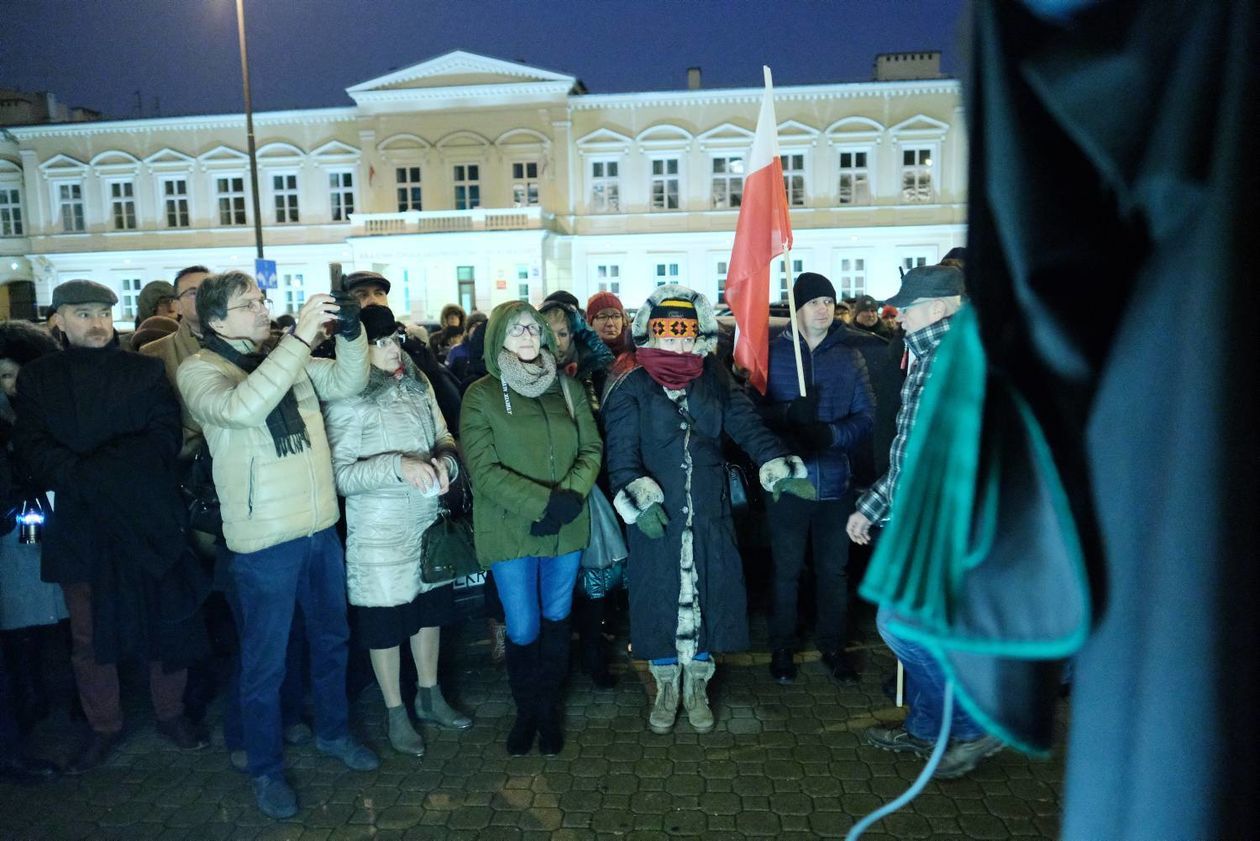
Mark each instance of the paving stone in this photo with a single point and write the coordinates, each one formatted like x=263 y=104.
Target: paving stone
x=983 y=826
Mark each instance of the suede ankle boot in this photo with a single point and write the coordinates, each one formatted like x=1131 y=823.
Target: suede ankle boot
x=522 y=669
x=402 y=736
x=696 y=676
x=665 y=708
x=431 y=706
x=553 y=666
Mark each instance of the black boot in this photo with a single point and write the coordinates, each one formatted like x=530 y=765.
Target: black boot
x=522 y=669
x=24 y=656
x=553 y=667
x=590 y=622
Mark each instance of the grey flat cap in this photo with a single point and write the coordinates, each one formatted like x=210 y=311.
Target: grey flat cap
x=928 y=282
x=82 y=292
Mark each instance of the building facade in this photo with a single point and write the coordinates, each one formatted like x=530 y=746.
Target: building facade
x=473 y=180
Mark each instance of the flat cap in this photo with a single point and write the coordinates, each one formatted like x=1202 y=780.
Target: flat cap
x=354 y=279
x=82 y=292
x=928 y=282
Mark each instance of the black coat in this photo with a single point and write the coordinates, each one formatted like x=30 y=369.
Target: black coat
x=101 y=428
x=644 y=437
x=870 y=458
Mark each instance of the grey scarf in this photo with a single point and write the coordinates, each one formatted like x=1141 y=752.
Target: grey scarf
x=530 y=379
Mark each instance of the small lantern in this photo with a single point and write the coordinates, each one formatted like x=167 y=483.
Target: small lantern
x=30 y=523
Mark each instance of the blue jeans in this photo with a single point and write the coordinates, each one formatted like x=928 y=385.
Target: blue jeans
x=535 y=588
x=925 y=689
x=309 y=572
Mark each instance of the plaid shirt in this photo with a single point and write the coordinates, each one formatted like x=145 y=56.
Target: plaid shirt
x=876 y=504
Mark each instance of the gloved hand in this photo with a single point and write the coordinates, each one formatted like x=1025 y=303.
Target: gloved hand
x=653 y=521
x=803 y=410
x=545 y=527
x=348 y=324
x=564 y=506
x=814 y=436
x=796 y=487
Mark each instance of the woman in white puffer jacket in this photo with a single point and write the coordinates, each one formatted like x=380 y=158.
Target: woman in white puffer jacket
x=392 y=457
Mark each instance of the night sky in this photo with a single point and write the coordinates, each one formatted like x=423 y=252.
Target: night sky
x=304 y=53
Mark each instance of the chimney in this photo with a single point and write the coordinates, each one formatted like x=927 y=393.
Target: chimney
x=693 y=78
x=899 y=67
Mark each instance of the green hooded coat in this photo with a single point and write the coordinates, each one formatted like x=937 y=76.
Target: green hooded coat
x=516 y=456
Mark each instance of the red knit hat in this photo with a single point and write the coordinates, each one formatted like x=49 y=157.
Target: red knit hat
x=602 y=301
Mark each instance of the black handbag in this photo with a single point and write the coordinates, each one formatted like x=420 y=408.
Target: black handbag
x=448 y=551
x=201 y=498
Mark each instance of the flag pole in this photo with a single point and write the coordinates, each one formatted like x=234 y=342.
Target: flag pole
x=796 y=335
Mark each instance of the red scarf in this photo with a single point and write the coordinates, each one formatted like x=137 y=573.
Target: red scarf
x=669 y=369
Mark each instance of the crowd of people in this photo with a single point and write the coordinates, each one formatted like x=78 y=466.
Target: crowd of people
x=208 y=452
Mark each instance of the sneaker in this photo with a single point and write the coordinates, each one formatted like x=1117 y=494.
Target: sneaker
x=357 y=757
x=95 y=751
x=180 y=732
x=840 y=668
x=297 y=734
x=782 y=666
x=275 y=798
x=897 y=740
x=961 y=758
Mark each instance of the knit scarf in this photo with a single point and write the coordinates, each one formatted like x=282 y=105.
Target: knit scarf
x=530 y=379
x=669 y=369
x=284 y=422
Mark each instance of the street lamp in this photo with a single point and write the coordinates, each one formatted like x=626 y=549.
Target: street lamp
x=249 y=128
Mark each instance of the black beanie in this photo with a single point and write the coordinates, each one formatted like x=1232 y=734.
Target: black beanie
x=563 y=296
x=811 y=285
x=378 y=322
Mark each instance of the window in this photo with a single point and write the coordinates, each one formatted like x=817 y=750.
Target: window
x=131 y=297
x=525 y=184
x=467 y=187
x=728 y=182
x=916 y=175
x=605 y=187
x=851 y=279
x=798 y=266
x=665 y=184
x=666 y=273
x=341 y=195
x=855 y=178
x=794 y=178
x=122 y=205
x=294 y=292
x=284 y=194
x=231 y=193
x=908 y=263
x=464 y=276
x=721 y=282
x=608 y=278
x=175 y=202
x=408 y=180
x=10 y=212
x=70 y=205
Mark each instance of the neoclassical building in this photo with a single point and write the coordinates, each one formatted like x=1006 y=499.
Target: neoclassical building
x=470 y=179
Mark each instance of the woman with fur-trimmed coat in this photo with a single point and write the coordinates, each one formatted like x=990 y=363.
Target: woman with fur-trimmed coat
x=665 y=420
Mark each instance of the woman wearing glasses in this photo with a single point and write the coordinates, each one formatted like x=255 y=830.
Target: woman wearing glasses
x=393 y=457
x=533 y=452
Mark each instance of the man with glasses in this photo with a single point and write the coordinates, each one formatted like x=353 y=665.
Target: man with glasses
x=259 y=411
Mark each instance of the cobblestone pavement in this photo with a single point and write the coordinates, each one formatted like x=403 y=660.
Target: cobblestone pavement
x=784 y=763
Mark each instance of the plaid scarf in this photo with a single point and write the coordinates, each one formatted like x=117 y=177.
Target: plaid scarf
x=284 y=422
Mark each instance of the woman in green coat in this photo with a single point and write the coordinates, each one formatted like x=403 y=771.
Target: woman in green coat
x=532 y=451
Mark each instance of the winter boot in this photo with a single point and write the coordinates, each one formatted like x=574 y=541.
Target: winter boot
x=522 y=670
x=696 y=675
x=553 y=667
x=590 y=622
x=665 y=708
x=497 y=632
x=402 y=735
x=431 y=706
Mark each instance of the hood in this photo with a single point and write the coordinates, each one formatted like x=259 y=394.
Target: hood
x=706 y=343
x=496 y=331
x=454 y=309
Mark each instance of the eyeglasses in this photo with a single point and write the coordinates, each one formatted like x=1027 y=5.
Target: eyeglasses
x=518 y=330
x=610 y=316
x=189 y=293
x=256 y=305
x=387 y=342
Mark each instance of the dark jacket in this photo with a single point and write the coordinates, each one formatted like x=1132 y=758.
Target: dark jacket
x=444 y=382
x=869 y=460
x=838 y=374
x=102 y=428
x=645 y=441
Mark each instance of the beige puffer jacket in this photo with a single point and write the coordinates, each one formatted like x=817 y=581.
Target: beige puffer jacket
x=385 y=517
x=265 y=499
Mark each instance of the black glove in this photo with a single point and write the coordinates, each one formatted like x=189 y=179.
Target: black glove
x=564 y=506
x=548 y=525
x=814 y=436
x=348 y=324
x=803 y=410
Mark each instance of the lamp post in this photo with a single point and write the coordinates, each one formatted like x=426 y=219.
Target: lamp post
x=249 y=128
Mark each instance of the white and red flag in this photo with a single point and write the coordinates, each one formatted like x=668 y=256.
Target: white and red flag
x=761 y=234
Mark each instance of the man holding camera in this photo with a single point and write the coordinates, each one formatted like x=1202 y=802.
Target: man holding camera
x=259 y=410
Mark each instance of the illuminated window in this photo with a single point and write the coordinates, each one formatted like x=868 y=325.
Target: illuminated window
x=525 y=184
x=130 y=297
x=855 y=178
x=341 y=195
x=728 y=182
x=665 y=184
x=916 y=175
x=794 y=178
x=605 y=187
x=10 y=212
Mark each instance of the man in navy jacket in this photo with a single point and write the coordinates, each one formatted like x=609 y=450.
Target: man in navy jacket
x=825 y=426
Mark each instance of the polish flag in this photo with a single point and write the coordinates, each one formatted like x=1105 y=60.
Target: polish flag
x=761 y=234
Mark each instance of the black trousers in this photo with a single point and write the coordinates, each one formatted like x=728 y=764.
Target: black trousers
x=796 y=524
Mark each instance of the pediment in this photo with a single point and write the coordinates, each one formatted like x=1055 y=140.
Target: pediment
x=223 y=154
x=334 y=149
x=725 y=135
x=114 y=159
x=168 y=157
x=918 y=126
x=62 y=163
x=459 y=69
